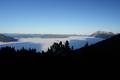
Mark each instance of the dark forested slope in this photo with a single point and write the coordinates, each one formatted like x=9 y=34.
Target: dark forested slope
x=107 y=51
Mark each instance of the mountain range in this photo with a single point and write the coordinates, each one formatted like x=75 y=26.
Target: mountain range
x=40 y=35
x=9 y=37
x=100 y=34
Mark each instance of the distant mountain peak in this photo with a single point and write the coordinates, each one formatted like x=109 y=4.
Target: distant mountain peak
x=103 y=34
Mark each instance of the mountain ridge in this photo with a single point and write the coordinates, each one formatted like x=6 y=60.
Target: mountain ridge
x=103 y=34
x=4 y=38
x=99 y=34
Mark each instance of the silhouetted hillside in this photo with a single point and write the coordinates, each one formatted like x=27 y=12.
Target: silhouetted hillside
x=4 y=38
x=107 y=51
x=58 y=53
x=106 y=45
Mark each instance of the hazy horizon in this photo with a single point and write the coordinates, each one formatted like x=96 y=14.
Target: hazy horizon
x=59 y=16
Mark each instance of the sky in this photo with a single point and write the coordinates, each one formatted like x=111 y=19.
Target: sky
x=59 y=16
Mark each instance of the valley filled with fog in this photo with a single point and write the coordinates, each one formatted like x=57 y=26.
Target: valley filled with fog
x=44 y=43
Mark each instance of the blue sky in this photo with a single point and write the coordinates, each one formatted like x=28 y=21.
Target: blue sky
x=59 y=16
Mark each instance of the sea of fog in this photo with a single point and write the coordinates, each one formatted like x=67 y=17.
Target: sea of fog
x=44 y=43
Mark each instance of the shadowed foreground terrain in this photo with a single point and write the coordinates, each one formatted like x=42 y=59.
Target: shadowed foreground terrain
x=107 y=51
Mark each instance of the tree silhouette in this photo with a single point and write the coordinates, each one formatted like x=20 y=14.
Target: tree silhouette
x=86 y=45
x=67 y=44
